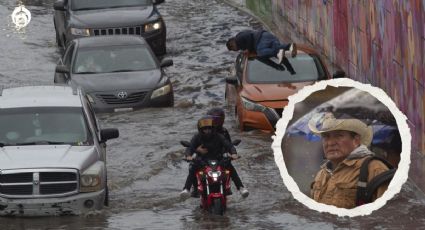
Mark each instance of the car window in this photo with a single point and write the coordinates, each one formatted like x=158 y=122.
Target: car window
x=100 y=4
x=307 y=68
x=42 y=125
x=110 y=59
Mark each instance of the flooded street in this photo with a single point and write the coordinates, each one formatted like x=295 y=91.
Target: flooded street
x=145 y=170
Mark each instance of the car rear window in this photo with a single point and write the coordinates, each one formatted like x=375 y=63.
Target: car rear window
x=101 y=4
x=307 y=68
x=42 y=125
x=109 y=59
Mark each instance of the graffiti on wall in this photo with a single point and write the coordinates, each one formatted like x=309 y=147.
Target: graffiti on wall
x=381 y=42
x=378 y=42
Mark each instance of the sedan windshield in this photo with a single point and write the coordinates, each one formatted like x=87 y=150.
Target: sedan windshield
x=108 y=59
x=31 y=126
x=102 y=4
x=306 y=68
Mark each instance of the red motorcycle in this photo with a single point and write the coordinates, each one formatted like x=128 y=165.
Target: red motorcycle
x=213 y=183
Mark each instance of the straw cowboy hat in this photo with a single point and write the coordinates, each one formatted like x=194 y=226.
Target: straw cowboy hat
x=330 y=123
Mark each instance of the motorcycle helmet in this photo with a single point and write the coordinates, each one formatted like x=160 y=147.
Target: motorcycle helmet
x=206 y=126
x=218 y=116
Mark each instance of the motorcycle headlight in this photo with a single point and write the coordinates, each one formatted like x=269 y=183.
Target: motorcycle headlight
x=90 y=180
x=152 y=26
x=80 y=32
x=214 y=174
x=161 y=91
x=250 y=105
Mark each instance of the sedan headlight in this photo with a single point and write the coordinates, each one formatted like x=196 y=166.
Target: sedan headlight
x=161 y=91
x=250 y=105
x=80 y=32
x=91 y=179
x=152 y=26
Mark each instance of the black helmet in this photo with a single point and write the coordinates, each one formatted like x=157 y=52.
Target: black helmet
x=218 y=116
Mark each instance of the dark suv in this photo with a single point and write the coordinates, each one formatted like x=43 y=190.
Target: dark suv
x=81 y=18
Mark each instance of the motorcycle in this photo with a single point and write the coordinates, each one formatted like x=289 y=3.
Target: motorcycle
x=213 y=182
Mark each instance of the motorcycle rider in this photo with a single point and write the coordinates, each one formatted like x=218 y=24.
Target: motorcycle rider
x=209 y=145
x=219 y=116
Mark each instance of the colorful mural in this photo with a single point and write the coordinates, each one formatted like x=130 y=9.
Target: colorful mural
x=381 y=42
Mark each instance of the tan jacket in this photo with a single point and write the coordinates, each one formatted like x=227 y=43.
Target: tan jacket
x=339 y=187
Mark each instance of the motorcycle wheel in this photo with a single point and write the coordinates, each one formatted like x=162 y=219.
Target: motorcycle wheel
x=217 y=207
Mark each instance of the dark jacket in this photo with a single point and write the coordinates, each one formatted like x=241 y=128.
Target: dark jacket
x=248 y=39
x=216 y=145
x=223 y=131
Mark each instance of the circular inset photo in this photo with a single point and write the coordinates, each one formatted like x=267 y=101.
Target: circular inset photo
x=342 y=147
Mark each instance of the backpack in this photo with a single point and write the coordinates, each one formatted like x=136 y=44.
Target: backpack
x=365 y=190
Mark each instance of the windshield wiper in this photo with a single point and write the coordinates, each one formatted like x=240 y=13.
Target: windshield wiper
x=87 y=72
x=111 y=7
x=89 y=8
x=42 y=143
x=123 y=70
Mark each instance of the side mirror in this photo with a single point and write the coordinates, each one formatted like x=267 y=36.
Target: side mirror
x=59 y=5
x=166 y=63
x=106 y=134
x=232 y=80
x=236 y=142
x=62 y=69
x=339 y=74
x=156 y=2
x=185 y=143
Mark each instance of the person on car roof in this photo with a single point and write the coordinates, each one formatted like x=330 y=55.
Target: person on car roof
x=261 y=42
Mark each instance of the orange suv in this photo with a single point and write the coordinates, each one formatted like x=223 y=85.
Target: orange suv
x=260 y=88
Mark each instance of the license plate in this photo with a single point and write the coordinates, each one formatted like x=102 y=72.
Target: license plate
x=123 y=109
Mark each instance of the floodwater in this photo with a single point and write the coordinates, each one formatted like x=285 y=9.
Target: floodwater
x=145 y=170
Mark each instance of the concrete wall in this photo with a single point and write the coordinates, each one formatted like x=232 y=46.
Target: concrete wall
x=261 y=8
x=381 y=42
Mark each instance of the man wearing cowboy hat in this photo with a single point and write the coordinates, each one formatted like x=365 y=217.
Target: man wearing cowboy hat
x=345 y=144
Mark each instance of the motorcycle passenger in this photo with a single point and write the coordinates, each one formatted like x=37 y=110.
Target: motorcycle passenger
x=219 y=116
x=208 y=145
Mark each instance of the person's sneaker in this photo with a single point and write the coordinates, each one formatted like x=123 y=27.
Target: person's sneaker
x=244 y=192
x=293 y=49
x=184 y=194
x=280 y=55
